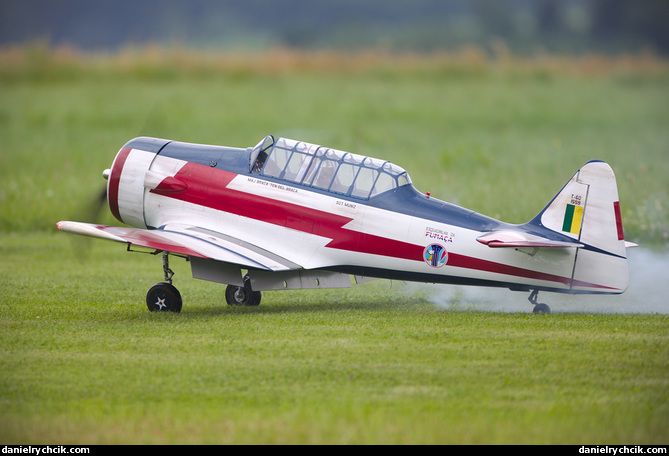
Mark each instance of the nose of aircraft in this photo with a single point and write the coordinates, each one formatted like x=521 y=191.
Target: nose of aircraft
x=125 y=181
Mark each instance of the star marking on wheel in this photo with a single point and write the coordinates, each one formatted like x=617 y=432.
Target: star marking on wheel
x=160 y=303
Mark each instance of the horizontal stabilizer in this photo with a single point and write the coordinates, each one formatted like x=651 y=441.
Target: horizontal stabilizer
x=506 y=238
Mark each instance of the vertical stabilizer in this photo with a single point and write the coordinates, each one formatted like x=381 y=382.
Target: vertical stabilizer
x=587 y=209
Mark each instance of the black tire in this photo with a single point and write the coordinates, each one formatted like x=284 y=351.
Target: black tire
x=541 y=309
x=242 y=296
x=163 y=297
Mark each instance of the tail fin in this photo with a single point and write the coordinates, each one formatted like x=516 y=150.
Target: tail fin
x=587 y=209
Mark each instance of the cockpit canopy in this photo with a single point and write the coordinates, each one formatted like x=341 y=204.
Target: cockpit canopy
x=324 y=168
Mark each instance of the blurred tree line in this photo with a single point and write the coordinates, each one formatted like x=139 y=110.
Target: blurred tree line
x=523 y=26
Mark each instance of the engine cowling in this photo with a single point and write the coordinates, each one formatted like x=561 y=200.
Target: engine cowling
x=126 y=179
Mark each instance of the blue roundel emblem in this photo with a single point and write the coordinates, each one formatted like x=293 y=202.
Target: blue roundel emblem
x=435 y=255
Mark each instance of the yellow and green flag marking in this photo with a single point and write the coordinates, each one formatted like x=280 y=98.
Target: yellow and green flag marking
x=573 y=216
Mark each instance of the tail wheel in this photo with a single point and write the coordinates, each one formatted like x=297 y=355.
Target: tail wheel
x=242 y=296
x=539 y=308
x=163 y=297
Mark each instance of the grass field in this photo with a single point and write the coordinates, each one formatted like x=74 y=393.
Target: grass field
x=83 y=361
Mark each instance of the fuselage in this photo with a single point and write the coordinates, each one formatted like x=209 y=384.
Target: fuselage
x=378 y=227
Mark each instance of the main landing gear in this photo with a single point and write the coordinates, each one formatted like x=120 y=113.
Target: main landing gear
x=163 y=296
x=539 y=308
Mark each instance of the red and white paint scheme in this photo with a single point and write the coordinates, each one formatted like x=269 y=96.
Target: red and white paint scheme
x=287 y=214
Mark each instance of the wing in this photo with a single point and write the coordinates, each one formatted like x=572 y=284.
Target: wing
x=507 y=238
x=187 y=240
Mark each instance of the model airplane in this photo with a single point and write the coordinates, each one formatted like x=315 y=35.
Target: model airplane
x=287 y=214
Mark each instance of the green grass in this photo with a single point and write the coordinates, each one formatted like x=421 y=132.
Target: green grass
x=82 y=360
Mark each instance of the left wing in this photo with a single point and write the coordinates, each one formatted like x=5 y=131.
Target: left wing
x=508 y=238
x=187 y=240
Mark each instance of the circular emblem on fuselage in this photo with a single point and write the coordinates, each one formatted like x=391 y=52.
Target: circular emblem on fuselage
x=435 y=255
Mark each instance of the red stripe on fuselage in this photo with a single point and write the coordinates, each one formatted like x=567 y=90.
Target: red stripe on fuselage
x=114 y=181
x=478 y=264
x=210 y=190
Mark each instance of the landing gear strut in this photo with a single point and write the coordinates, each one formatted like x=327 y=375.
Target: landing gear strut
x=163 y=296
x=539 y=308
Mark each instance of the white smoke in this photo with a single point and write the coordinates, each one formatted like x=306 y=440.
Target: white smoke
x=648 y=292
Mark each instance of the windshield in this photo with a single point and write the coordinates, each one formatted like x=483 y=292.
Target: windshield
x=327 y=169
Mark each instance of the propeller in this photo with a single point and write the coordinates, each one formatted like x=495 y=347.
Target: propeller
x=94 y=208
x=91 y=213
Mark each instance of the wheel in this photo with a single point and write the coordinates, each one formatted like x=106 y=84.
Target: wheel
x=242 y=296
x=163 y=297
x=541 y=309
